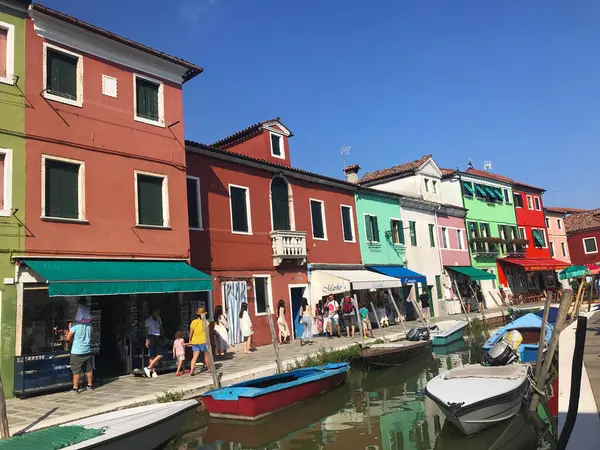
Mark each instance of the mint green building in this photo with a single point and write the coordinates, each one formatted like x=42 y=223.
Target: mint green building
x=380 y=229
x=12 y=173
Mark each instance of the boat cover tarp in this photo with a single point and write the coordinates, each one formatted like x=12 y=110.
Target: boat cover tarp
x=82 y=277
x=52 y=438
x=510 y=372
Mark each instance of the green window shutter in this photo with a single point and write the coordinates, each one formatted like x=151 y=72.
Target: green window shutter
x=347 y=223
x=438 y=286
x=239 y=209
x=431 y=235
x=413 y=233
x=317 y=219
x=61 y=74
x=146 y=99
x=192 y=201
x=280 y=208
x=375 y=228
x=368 y=228
x=401 y=232
x=150 y=201
x=62 y=189
x=468 y=189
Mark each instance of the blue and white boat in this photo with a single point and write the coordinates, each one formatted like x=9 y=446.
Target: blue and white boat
x=447 y=332
x=530 y=326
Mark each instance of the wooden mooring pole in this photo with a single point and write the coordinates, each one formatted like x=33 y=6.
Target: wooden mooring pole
x=540 y=354
x=378 y=322
x=211 y=359
x=397 y=311
x=275 y=341
x=358 y=318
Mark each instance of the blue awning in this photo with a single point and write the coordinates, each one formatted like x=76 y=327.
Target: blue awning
x=402 y=273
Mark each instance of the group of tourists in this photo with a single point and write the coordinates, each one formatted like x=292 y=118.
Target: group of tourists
x=332 y=317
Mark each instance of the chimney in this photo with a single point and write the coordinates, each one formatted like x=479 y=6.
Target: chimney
x=352 y=173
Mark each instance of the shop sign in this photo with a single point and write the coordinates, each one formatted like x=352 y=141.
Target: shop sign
x=328 y=288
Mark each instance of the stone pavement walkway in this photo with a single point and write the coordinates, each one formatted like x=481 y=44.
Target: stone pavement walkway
x=53 y=409
x=591 y=355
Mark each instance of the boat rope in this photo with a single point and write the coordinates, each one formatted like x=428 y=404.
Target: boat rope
x=534 y=386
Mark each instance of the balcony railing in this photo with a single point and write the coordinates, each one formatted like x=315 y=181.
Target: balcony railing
x=288 y=246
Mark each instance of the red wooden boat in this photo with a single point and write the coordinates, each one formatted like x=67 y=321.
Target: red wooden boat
x=255 y=399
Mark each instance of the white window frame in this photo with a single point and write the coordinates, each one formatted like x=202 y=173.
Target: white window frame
x=161 y=102
x=57 y=98
x=80 y=190
x=324 y=238
x=530 y=202
x=524 y=235
x=543 y=232
x=248 y=210
x=559 y=224
x=366 y=235
x=432 y=227
x=551 y=247
x=165 y=199
x=9 y=78
x=506 y=196
x=197 y=180
x=434 y=186
x=351 y=222
x=400 y=230
x=269 y=294
x=547 y=220
x=563 y=247
x=6 y=211
x=461 y=242
x=595 y=244
x=426 y=182
x=281 y=146
x=445 y=240
x=537 y=202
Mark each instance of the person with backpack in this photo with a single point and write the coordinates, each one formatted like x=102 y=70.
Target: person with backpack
x=334 y=318
x=349 y=313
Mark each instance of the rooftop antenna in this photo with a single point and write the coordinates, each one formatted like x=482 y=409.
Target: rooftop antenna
x=487 y=166
x=345 y=151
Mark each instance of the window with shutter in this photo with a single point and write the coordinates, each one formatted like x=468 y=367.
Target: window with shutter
x=150 y=200
x=431 y=235
x=61 y=185
x=240 y=220
x=375 y=228
x=412 y=226
x=280 y=205
x=397 y=232
x=61 y=74
x=3 y=52
x=368 y=228
x=347 y=226
x=590 y=245
x=316 y=212
x=193 y=198
x=146 y=93
x=518 y=200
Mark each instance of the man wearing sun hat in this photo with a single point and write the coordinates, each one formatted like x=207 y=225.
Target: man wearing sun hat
x=198 y=340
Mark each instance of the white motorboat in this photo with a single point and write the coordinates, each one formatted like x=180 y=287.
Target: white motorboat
x=475 y=397
x=447 y=331
x=140 y=428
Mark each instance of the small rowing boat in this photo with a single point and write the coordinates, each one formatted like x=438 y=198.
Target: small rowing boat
x=475 y=397
x=529 y=326
x=394 y=353
x=447 y=332
x=140 y=428
x=255 y=399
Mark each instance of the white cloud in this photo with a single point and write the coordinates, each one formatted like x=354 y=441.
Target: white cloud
x=193 y=10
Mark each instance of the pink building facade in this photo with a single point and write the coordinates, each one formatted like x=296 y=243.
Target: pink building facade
x=451 y=236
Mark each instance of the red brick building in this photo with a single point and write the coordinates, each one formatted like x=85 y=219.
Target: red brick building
x=257 y=222
x=583 y=236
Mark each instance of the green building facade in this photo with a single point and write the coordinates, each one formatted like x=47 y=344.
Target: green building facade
x=380 y=229
x=491 y=221
x=12 y=163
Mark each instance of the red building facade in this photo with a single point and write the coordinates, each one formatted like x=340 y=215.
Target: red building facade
x=531 y=221
x=583 y=236
x=261 y=222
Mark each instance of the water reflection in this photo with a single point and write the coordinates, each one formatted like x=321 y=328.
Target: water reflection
x=378 y=410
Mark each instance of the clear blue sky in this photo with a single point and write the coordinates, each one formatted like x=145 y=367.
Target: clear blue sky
x=514 y=83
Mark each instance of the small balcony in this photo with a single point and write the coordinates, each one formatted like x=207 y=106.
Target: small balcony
x=288 y=246
x=485 y=246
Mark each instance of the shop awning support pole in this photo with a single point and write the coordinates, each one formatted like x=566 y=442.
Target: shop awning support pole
x=359 y=320
x=275 y=341
x=4 y=430
x=397 y=311
x=378 y=322
x=487 y=325
x=464 y=308
x=211 y=360
x=580 y=291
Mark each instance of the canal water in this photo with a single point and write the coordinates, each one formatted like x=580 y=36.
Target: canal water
x=383 y=409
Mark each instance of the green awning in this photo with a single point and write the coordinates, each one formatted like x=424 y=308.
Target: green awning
x=468 y=187
x=480 y=190
x=80 y=277
x=472 y=272
x=499 y=193
x=490 y=191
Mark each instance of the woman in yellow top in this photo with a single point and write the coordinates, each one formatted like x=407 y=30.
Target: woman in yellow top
x=198 y=340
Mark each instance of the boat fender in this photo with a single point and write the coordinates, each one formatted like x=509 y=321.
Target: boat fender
x=455 y=406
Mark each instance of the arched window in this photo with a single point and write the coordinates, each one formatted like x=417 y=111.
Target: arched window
x=280 y=206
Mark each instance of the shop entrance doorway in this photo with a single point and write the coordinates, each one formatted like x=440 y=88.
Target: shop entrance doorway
x=296 y=294
x=110 y=316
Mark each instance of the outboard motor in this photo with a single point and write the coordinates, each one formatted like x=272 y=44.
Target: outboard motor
x=501 y=354
x=418 y=334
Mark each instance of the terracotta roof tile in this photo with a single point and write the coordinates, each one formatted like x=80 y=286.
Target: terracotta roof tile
x=529 y=186
x=583 y=221
x=242 y=134
x=396 y=170
x=561 y=210
x=193 y=69
x=490 y=175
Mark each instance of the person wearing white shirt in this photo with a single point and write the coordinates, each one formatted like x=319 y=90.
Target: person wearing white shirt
x=154 y=330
